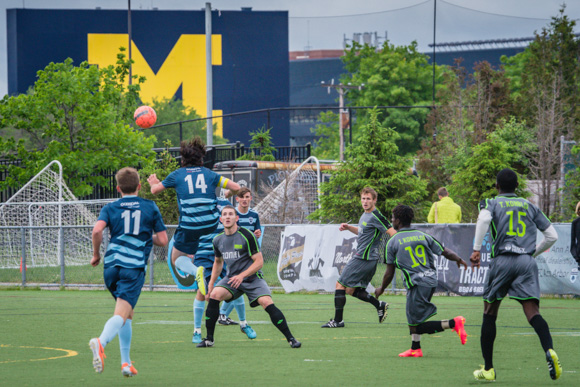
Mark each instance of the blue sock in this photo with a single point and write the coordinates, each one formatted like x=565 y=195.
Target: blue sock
x=184 y=264
x=125 y=334
x=198 y=307
x=227 y=308
x=112 y=327
x=240 y=306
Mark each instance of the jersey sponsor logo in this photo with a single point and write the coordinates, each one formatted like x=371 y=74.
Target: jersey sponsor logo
x=427 y=273
x=515 y=249
x=364 y=223
x=231 y=255
x=129 y=204
x=238 y=246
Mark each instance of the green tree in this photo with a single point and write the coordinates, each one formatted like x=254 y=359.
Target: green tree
x=261 y=147
x=79 y=116
x=327 y=147
x=373 y=162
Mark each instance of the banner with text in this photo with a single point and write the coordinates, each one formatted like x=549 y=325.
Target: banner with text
x=313 y=256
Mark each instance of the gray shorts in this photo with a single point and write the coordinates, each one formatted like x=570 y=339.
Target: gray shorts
x=419 y=305
x=358 y=273
x=253 y=287
x=513 y=274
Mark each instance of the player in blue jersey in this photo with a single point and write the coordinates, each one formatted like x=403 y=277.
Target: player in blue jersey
x=248 y=218
x=412 y=252
x=513 y=269
x=135 y=225
x=196 y=198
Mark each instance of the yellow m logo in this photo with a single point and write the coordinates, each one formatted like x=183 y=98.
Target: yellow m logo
x=184 y=66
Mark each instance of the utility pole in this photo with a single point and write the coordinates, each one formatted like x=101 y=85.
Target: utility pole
x=342 y=90
x=208 y=66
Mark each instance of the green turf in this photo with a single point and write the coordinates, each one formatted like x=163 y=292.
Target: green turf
x=36 y=327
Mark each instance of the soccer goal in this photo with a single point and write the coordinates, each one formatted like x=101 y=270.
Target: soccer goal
x=47 y=221
x=295 y=197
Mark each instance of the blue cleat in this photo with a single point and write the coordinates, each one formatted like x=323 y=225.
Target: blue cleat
x=249 y=332
x=196 y=338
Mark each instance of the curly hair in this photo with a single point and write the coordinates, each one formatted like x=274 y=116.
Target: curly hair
x=192 y=152
x=404 y=213
x=507 y=180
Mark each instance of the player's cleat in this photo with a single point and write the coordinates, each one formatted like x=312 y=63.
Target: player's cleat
x=412 y=353
x=98 y=354
x=482 y=374
x=223 y=320
x=553 y=364
x=382 y=311
x=205 y=343
x=200 y=279
x=128 y=370
x=333 y=324
x=196 y=339
x=249 y=332
x=459 y=328
x=294 y=343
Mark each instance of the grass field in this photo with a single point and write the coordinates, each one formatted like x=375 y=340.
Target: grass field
x=44 y=342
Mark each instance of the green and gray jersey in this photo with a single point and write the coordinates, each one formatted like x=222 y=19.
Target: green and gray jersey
x=371 y=226
x=514 y=224
x=236 y=250
x=413 y=252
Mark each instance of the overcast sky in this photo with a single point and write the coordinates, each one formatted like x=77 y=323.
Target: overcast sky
x=322 y=24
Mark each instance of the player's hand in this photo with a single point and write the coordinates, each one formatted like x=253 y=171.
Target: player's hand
x=378 y=292
x=343 y=227
x=236 y=281
x=152 y=179
x=258 y=233
x=95 y=260
x=209 y=290
x=227 y=193
x=475 y=259
x=461 y=262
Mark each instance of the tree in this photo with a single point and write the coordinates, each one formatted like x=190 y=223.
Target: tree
x=372 y=162
x=327 y=147
x=261 y=147
x=79 y=116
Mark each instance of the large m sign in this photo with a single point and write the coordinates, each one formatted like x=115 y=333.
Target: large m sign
x=184 y=66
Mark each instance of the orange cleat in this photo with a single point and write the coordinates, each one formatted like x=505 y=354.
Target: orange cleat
x=460 y=328
x=412 y=353
x=128 y=370
x=98 y=355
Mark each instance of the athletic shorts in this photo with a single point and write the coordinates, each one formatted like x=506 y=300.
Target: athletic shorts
x=125 y=283
x=516 y=275
x=358 y=273
x=253 y=287
x=419 y=305
x=187 y=241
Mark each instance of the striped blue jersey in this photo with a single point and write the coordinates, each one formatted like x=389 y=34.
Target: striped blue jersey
x=205 y=247
x=132 y=221
x=249 y=220
x=196 y=199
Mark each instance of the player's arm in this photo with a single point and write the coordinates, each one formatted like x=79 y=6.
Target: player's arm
x=156 y=185
x=258 y=230
x=550 y=237
x=452 y=256
x=387 y=278
x=160 y=238
x=346 y=226
x=218 y=265
x=483 y=221
x=258 y=259
x=97 y=240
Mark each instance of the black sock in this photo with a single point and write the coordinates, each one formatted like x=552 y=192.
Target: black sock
x=452 y=323
x=339 y=303
x=362 y=295
x=488 y=333
x=279 y=320
x=415 y=345
x=429 y=327
x=541 y=327
x=211 y=315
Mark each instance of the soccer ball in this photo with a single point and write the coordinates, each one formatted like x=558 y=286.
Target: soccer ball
x=145 y=117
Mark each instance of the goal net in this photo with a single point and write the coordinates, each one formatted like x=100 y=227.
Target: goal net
x=46 y=220
x=295 y=197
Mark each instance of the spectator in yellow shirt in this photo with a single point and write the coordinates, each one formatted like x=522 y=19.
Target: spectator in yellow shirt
x=445 y=210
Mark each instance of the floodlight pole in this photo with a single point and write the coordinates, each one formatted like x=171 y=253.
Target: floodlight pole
x=209 y=79
x=130 y=33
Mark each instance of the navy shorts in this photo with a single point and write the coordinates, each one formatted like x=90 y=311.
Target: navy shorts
x=187 y=241
x=207 y=263
x=125 y=283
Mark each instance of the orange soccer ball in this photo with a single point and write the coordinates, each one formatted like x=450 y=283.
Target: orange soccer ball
x=145 y=117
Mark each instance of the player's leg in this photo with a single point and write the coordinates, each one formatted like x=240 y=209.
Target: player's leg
x=217 y=295
x=419 y=308
x=225 y=311
x=240 y=306
x=487 y=339
x=198 y=308
x=125 y=336
x=339 y=303
x=277 y=318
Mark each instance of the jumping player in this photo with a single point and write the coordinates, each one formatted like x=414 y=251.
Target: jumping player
x=359 y=271
x=135 y=225
x=238 y=247
x=197 y=202
x=413 y=251
x=513 y=269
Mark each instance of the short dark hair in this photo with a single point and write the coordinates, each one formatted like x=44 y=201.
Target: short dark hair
x=242 y=191
x=404 y=213
x=127 y=180
x=442 y=192
x=507 y=180
x=229 y=206
x=369 y=190
x=192 y=152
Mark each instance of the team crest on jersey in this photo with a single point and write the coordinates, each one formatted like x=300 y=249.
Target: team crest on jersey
x=251 y=220
x=573 y=275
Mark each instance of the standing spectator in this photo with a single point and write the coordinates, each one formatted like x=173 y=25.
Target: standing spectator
x=445 y=210
x=574 y=244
